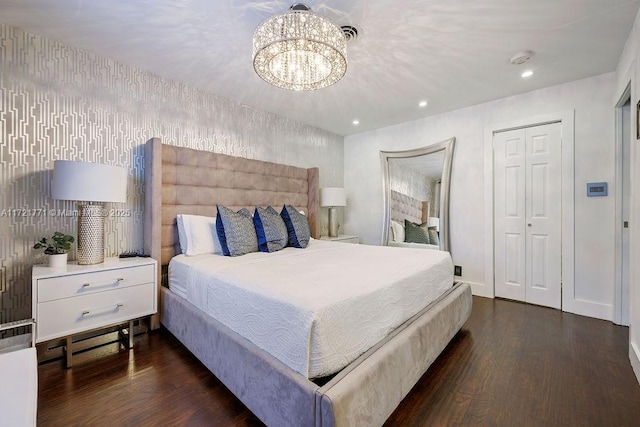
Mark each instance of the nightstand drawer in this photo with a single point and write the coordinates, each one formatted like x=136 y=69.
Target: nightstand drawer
x=55 y=288
x=63 y=317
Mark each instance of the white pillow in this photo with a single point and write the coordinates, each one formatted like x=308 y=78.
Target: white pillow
x=398 y=231
x=198 y=235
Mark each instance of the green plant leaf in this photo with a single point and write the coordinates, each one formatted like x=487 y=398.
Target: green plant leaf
x=59 y=243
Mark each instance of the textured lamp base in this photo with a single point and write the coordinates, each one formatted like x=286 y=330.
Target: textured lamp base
x=90 y=234
x=333 y=222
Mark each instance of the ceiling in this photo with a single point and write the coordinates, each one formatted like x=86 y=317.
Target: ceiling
x=429 y=165
x=452 y=53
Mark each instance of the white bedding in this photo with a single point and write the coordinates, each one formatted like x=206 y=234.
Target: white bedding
x=179 y=275
x=315 y=309
x=413 y=245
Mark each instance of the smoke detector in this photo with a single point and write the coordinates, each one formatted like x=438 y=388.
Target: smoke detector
x=521 y=57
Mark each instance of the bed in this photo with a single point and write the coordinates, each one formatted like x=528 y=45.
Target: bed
x=367 y=389
x=316 y=309
x=406 y=208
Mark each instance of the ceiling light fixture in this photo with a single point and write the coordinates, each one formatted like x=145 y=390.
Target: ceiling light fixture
x=521 y=57
x=299 y=50
x=423 y=103
x=527 y=73
x=356 y=122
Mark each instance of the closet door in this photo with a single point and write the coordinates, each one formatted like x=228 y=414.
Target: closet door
x=510 y=214
x=527 y=214
x=543 y=203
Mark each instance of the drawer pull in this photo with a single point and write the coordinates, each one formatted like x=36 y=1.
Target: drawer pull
x=118 y=280
x=117 y=306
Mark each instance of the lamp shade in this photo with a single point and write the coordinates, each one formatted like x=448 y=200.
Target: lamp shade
x=333 y=196
x=90 y=182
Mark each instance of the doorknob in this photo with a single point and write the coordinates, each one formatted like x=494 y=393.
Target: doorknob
x=529 y=225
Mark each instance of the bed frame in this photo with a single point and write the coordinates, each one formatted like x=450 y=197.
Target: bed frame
x=366 y=392
x=406 y=207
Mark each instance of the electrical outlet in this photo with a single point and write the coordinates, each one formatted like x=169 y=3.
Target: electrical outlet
x=457 y=270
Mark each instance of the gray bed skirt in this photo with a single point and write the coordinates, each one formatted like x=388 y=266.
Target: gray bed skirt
x=364 y=393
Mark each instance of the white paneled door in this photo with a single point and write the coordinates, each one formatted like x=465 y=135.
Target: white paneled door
x=527 y=214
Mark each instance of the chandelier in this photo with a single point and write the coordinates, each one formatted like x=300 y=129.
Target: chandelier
x=299 y=50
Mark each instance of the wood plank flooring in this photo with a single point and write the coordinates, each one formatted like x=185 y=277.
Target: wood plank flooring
x=512 y=364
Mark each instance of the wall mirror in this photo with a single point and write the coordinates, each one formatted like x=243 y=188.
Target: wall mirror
x=416 y=196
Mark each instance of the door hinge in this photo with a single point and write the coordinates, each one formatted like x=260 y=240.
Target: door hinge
x=625 y=224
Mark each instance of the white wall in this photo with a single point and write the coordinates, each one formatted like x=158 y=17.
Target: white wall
x=594 y=161
x=625 y=73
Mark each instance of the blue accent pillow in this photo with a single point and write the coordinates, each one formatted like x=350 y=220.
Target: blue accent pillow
x=270 y=229
x=297 y=227
x=236 y=231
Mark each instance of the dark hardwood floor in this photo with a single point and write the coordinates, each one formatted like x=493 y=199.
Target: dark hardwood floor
x=511 y=364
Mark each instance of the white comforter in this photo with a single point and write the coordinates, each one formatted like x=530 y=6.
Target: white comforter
x=315 y=309
x=413 y=245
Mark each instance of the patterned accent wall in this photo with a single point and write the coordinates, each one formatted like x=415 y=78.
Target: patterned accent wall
x=410 y=182
x=59 y=102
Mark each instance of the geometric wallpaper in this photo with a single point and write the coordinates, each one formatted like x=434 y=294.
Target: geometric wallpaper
x=412 y=183
x=62 y=103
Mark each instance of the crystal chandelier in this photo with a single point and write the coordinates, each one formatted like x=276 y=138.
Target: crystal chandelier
x=299 y=50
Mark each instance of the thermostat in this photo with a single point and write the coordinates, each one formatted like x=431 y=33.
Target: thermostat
x=596 y=189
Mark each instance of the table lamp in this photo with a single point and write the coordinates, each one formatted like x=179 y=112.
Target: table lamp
x=94 y=183
x=331 y=197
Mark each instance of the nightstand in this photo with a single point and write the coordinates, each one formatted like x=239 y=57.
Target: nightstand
x=81 y=298
x=344 y=238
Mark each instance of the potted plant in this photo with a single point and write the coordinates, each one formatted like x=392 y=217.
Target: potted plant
x=56 y=247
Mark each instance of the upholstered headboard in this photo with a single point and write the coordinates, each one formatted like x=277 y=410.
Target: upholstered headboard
x=405 y=207
x=181 y=180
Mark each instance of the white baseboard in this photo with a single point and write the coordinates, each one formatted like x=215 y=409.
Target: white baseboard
x=589 y=309
x=480 y=290
x=581 y=307
x=634 y=357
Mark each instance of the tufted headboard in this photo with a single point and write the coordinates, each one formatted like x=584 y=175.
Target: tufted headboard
x=181 y=180
x=405 y=207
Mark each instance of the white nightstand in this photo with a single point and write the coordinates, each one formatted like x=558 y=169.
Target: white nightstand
x=80 y=298
x=344 y=238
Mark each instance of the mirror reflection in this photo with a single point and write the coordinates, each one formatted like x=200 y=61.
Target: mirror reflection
x=416 y=186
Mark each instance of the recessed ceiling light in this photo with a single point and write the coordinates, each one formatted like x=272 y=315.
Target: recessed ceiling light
x=423 y=103
x=521 y=57
x=356 y=122
x=527 y=73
